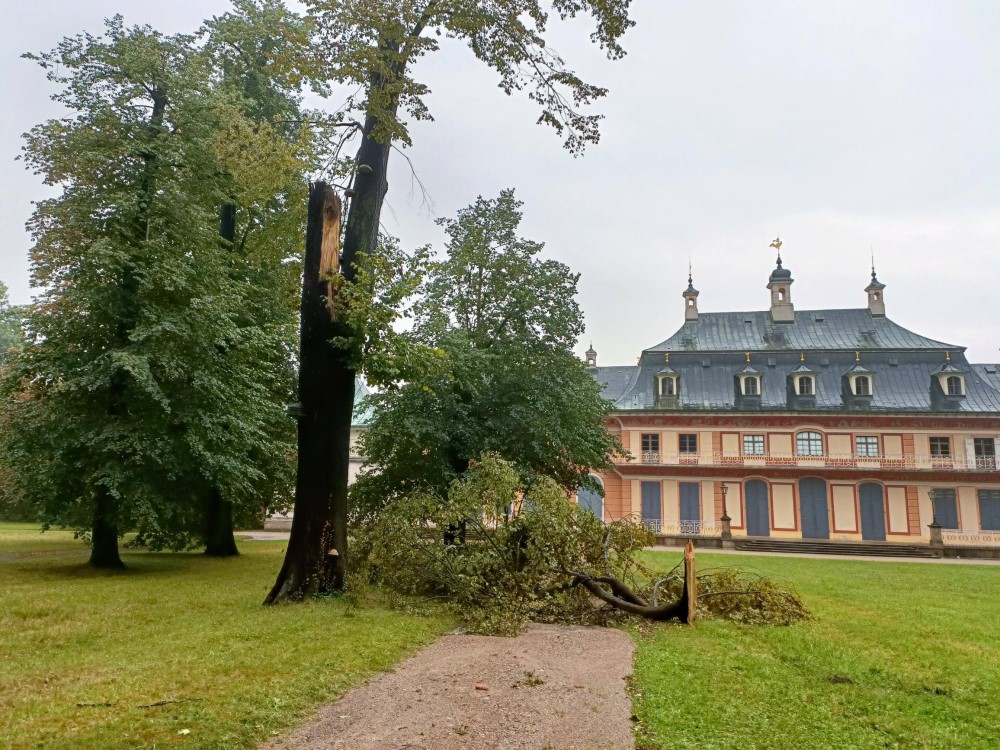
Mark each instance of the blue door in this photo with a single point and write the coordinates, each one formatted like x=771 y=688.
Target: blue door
x=592 y=501
x=690 y=502
x=872 y=508
x=989 y=510
x=946 y=508
x=814 y=508
x=651 y=503
x=757 y=508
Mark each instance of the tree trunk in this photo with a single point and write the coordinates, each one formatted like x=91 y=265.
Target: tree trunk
x=218 y=518
x=314 y=549
x=219 y=539
x=316 y=558
x=104 y=533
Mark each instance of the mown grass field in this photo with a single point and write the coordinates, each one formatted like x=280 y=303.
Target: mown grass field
x=899 y=655
x=84 y=653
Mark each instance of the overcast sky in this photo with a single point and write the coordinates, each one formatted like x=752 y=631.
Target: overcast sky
x=843 y=127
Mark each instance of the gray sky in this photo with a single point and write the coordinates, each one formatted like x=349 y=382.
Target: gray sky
x=840 y=126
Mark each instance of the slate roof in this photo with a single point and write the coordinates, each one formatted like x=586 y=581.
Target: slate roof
x=812 y=329
x=363 y=411
x=614 y=380
x=708 y=354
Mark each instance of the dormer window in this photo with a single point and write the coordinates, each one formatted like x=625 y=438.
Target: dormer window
x=859 y=384
x=805 y=385
x=668 y=387
x=751 y=386
x=955 y=386
x=862 y=385
x=667 y=382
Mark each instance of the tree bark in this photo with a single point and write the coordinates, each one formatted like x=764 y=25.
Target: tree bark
x=618 y=595
x=316 y=557
x=317 y=545
x=104 y=532
x=219 y=538
x=218 y=512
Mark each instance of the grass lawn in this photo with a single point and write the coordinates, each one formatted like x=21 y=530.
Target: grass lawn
x=173 y=627
x=900 y=655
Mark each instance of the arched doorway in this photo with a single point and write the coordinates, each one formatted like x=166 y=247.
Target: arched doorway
x=814 y=508
x=590 y=499
x=757 y=508
x=872 y=505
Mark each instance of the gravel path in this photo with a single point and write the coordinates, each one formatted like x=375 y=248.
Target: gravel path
x=553 y=687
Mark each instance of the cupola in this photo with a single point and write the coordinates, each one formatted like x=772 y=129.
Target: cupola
x=780 y=286
x=591 y=356
x=690 y=299
x=876 y=295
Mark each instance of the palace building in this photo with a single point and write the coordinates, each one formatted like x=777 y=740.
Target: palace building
x=804 y=425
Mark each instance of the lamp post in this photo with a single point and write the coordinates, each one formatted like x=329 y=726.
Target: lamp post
x=727 y=532
x=937 y=542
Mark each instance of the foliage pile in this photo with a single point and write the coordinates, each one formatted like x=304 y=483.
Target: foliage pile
x=522 y=555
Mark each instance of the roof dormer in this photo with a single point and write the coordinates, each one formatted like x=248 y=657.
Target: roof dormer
x=950 y=379
x=749 y=384
x=667 y=385
x=859 y=384
x=802 y=386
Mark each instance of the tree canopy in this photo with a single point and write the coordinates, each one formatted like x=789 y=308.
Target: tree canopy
x=159 y=356
x=506 y=382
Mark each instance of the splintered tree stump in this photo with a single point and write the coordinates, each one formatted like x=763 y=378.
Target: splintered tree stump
x=690 y=583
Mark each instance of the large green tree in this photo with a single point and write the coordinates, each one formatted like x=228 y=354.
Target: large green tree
x=508 y=383
x=143 y=387
x=11 y=334
x=372 y=48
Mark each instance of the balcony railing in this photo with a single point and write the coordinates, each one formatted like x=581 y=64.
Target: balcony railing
x=826 y=460
x=681 y=528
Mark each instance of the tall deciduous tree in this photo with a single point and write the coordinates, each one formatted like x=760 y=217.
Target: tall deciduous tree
x=508 y=383
x=142 y=385
x=261 y=57
x=373 y=46
x=11 y=334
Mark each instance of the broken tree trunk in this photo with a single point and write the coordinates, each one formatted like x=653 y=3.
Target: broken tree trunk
x=317 y=546
x=612 y=591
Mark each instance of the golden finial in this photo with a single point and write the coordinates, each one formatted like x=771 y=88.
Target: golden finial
x=802 y=357
x=857 y=357
x=666 y=357
x=776 y=244
x=947 y=356
x=748 y=357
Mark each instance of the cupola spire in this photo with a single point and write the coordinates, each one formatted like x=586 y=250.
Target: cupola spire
x=690 y=298
x=780 y=286
x=876 y=294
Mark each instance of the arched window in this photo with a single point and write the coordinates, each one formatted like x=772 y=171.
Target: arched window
x=668 y=386
x=862 y=386
x=781 y=294
x=809 y=444
x=805 y=385
x=750 y=387
x=954 y=385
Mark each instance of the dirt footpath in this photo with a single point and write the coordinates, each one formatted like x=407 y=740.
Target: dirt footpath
x=553 y=687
